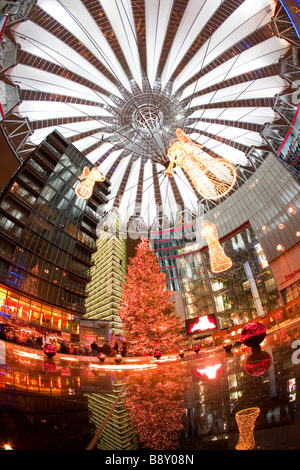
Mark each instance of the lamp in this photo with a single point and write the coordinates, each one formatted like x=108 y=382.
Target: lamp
x=211 y=177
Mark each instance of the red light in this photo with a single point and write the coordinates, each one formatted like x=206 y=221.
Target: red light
x=292 y=210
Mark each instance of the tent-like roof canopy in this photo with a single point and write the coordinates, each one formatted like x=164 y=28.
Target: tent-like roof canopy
x=118 y=77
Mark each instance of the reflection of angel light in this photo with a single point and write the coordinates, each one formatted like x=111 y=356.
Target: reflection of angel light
x=210 y=372
x=212 y=177
x=85 y=189
x=219 y=262
x=246 y=421
x=202 y=324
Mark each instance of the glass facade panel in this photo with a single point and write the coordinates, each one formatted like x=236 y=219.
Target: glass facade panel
x=46 y=316
x=35 y=312
x=12 y=303
x=3 y=300
x=244 y=292
x=23 y=309
x=65 y=322
x=56 y=319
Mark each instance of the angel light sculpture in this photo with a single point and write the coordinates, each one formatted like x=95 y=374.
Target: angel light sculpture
x=211 y=177
x=219 y=261
x=89 y=177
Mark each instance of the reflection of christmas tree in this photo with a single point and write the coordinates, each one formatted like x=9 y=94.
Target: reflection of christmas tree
x=155 y=403
x=30 y=283
x=146 y=311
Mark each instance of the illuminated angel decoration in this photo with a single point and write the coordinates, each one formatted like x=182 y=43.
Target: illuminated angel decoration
x=219 y=261
x=89 y=177
x=211 y=177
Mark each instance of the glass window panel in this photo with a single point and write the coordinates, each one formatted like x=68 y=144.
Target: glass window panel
x=56 y=319
x=23 y=309
x=46 y=316
x=35 y=312
x=12 y=303
x=66 y=321
x=2 y=299
x=75 y=324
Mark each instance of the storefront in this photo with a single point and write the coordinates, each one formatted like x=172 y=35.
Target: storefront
x=42 y=317
x=286 y=271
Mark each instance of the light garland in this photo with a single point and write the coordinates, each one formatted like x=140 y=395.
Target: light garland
x=85 y=189
x=219 y=261
x=245 y=420
x=211 y=177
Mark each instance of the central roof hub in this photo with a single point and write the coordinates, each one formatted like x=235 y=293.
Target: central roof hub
x=148 y=118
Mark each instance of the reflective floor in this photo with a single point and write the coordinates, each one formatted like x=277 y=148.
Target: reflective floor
x=72 y=403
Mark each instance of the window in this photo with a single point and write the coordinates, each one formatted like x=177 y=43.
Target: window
x=23 y=309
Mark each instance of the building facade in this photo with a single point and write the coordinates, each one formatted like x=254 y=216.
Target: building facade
x=48 y=236
x=107 y=278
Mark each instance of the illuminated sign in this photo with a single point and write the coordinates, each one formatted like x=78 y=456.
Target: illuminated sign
x=293 y=11
x=210 y=372
x=200 y=324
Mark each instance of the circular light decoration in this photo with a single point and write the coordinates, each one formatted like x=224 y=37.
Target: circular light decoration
x=117 y=78
x=253 y=334
x=49 y=350
x=258 y=363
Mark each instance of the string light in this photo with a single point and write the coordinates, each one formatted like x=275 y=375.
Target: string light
x=211 y=177
x=291 y=210
x=219 y=261
x=280 y=247
x=85 y=189
x=246 y=420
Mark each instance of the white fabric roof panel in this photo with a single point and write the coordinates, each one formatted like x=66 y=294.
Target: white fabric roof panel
x=118 y=77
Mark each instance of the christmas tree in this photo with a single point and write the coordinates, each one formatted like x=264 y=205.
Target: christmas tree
x=146 y=312
x=155 y=401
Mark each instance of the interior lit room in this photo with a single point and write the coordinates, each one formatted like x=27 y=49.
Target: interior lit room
x=150 y=227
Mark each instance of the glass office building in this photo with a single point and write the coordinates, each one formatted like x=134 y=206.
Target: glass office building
x=48 y=235
x=246 y=291
x=107 y=278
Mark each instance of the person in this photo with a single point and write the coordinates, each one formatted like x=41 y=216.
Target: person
x=71 y=349
x=46 y=340
x=106 y=349
x=63 y=347
x=116 y=347
x=124 y=349
x=113 y=352
x=94 y=348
